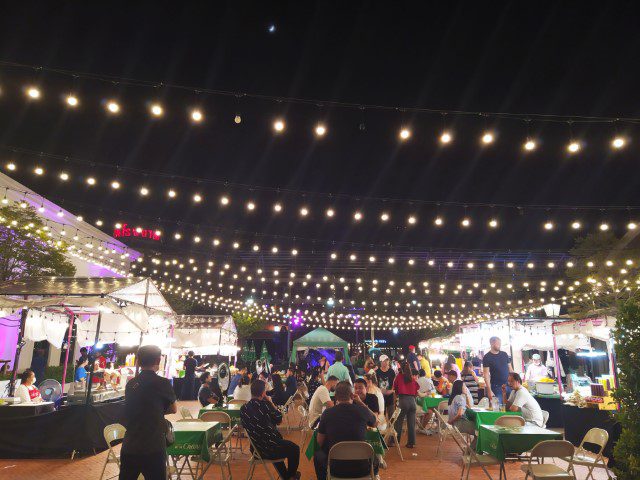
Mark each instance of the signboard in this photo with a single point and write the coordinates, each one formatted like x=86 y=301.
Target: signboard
x=126 y=231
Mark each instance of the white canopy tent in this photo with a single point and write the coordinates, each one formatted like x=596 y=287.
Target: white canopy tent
x=206 y=334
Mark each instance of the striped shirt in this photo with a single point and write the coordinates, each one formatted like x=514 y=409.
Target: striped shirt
x=260 y=419
x=472 y=385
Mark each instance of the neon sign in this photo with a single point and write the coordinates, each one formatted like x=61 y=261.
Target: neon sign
x=135 y=232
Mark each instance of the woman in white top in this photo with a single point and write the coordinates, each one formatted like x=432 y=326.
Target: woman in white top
x=243 y=391
x=27 y=391
x=459 y=401
x=372 y=387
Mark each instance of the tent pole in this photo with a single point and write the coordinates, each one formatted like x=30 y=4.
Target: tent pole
x=66 y=356
x=557 y=358
x=23 y=321
x=139 y=345
x=93 y=362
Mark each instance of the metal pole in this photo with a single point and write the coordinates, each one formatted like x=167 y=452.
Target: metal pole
x=93 y=362
x=557 y=358
x=139 y=345
x=66 y=356
x=16 y=358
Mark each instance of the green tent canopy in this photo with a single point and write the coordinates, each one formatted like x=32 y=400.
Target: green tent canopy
x=320 y=338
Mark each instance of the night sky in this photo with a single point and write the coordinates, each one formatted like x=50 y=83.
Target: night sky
x=566 y=59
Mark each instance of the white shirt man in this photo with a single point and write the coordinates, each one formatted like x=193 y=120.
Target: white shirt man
x=321 y=399
x=520 y=400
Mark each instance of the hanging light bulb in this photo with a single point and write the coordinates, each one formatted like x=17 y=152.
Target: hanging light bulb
x=576 y=225
x=320 y=130
x=224 y=200
x=64 y=176
x=237 y=119
x=113 y=107
x=438 y=221
x=115 y=185
x=446 y=137
x=357 y=216
x=330 y=212
x=277 y=208
x=278 y=125
x=144 y=191
x=196 y=115
x=573 y=147
x=604 y=227
x=156 y=110
x=251 y=206
x=487 y=138
x=493 y=223
x=171 y=193
x=405 y=133
x=548 y=226
x=304 y=211
x=412 y=220
x=529 y=145
x=618 y=143
x=197 y=198
x=72 y=100
x=38 y=171
x=384 y=216
x=33 y=93
x=11 y=166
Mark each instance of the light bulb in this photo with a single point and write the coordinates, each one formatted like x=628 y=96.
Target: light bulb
x=278 y=125
x=465 y=222
x=530 y=145
x=277 y=207
x=576 y=225
x=304 y=211
x=144 y=191
x=11 y=166
x=72 y=100
x=33 y=92
x=487 y=138
x=493 y=223
x=113 y=107
x=632 y=225
x=38 y=170
x=438 y=221
x=618 y=143
x=115 y=185
x=357 y=216
x=445 y=137
x=251 y=206
x=64 y=176
x=412 y=220
x=548 y=226
x=156 y=110
x=224 y=200
x=171 y=193
x=405 y=133
x=384 y=217
x=237 y=119
x=91 y=181
x=330 y=212
x=573 y=147
x=196 y=115
x=320 y=130
x=197 y=198
x=604 y=227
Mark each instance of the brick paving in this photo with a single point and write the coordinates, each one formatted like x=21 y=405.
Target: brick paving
x=420 y=463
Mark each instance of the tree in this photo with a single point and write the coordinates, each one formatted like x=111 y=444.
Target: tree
x=26 y=250
x=247 y=324
x=602 y=275
x=627 y=337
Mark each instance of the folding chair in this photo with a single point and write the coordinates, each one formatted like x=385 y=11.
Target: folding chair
x=185 y=413
x=472 y=459
x=550 y=449
x=581 y=456
x=390 y=432
x=256 y=458
x=225 y=420
x=284 y=409
x=444 y=429
x=510 y=421
x=305 y=429
x=111 y=434
x=351 y=451
x=219 y=455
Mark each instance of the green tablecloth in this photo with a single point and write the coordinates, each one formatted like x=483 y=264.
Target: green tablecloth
x=195 y=438
x=484 y=417
x=372 y=437
x=499 y=441
x=232 y=410
x=430 y=402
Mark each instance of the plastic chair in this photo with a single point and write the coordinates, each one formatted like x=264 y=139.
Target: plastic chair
x=510 y=421
x=545 y=418
x=351 y=451
x=305 y=429
x=581 y=456
x=472 y=459
x=390 y=432
x=112 y=433
x=484 y=402
x=185 y=413
x=550 y=449
x=256 y=458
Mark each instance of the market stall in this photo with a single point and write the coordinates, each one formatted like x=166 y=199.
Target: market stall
x=123 y=311
x=321 y=340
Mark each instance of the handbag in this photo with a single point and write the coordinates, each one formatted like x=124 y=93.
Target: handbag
x=169 y=436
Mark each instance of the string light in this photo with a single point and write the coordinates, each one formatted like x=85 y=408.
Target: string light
x=38 y=171
x=237 y=119
x=251 y=206
x=72 y=100
x=113 y=107
x=576 y=225
x=446 y=137
x=438 y=221
x=196 y=115
x=405 y=133
x=465 y=222
x=304 y=211
x=224 y=200
x=320 y=130
x=197 y=198
x=618 y=143
x=487 y=138
x=357 y=216
x=529 y=145
x=11 y=166
x=277 y=208
x=573 y=147
x=493 y=223
x=330 y=212
x=33 y=93
x=632 y=226
x=91 y=181
x=384 y=217
x=412 y=220
x=604 y=227
x=278 y=125
x=171 y=193
x=548 y=226
x=144 y=191
x=156 y=110
x=64 y=176
x=115 y=185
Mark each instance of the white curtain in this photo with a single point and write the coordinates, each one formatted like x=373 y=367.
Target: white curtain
x=41 y=326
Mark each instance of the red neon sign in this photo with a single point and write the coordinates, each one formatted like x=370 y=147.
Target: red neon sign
x=135 y=232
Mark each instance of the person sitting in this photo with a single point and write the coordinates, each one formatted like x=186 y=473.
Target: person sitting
x=315 y=381
x=27 y=391
x=235 y=380
x=458 y=404
x=80 y=374
x=346 y=421
x=338 y=369
x=522 y=401
x=425 y=383
x=321 y=399
x=291 y=384
x=243 y=391
x=470 y=380
x=362 y=397
x=260 y=419
x=443 y=387
x=277 y=392
x=205 y=393
x=373 y=389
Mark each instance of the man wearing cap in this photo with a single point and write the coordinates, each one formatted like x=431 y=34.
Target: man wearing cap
x=412 y=358
x=535 y=370
x=386 y=376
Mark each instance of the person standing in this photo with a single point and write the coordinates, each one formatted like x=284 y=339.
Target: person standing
x=386 y=376
x=407 y=389
x=412 y=358
x=189 y=385
x=496 y=369
x=338 y=369
x=260 y=419
x=424 y=365
x=148 y=398
x=346 y=421
x=38 y=364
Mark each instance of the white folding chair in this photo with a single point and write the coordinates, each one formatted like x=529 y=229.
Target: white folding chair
x=305 y=429
x=510 y=421
x=585 y=458
x=225 y=421
x=284 y=410
x=219 y=455
x=390 y=433
x=472 y=459
x=444 y=429
x=550 y=471
x=344 y=451
x=256 y=458
x=185 y=413
x=545 y=418
x=112 y=433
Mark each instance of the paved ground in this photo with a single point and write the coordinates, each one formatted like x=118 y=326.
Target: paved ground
x=420 y=463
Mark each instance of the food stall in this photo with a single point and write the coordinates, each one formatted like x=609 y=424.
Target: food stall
x=125 y=311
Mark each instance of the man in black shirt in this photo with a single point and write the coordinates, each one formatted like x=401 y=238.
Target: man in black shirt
x=346 y=421
x=260 y=418
x=291 y=384
x=205 y=394
x=496 y=368
x=361 y=396
x=189 y=385
x=386 y=376
x=148 y=398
